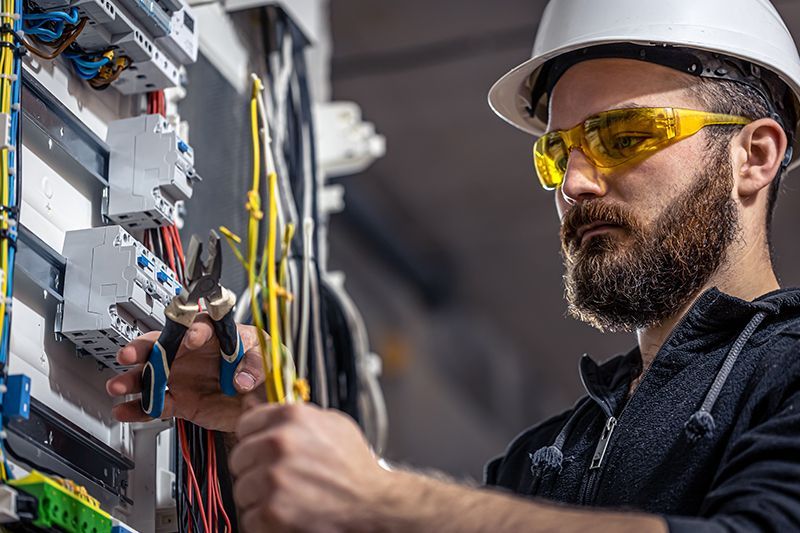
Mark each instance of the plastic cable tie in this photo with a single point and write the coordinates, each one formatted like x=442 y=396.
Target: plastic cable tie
x=12 y=77
x=14 y=16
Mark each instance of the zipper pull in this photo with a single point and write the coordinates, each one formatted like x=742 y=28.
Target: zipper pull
x=602 y=445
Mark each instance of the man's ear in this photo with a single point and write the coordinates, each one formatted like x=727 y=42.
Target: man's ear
x=759 y=150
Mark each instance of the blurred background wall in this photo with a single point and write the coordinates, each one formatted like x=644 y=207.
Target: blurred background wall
x=449 y=245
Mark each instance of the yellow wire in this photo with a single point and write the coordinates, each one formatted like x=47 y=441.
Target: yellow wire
x=272 y=285
x=255 y=215
x=273 y=356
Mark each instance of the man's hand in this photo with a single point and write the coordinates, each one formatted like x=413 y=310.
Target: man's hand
x=302 y=468
x=194 y=393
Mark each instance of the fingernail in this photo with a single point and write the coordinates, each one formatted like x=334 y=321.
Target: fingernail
x=245 y=381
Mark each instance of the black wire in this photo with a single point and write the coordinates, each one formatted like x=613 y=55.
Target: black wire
x=155 y=238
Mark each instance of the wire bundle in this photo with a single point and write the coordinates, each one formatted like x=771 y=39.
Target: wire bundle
x=10 y=181
x=317 y=320
x=282 y=384
x=58 y=31
x=199 y=497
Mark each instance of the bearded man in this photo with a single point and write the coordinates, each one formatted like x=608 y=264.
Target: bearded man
x=664 y=129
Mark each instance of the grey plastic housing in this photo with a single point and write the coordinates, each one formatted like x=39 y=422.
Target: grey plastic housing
x=150 y=169
x=115 y=289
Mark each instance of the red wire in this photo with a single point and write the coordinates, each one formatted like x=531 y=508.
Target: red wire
x=178 y=244
x=215 y=484
x=192 y=479
x=210 y=500
x=168 y=245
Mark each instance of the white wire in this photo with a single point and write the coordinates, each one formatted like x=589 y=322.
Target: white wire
x=319 y=357
x=302 y=349
x=367 y=368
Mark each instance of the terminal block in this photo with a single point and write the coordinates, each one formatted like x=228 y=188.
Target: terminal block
x=115 y=289
x=62 y=505
x=150 y=169
x=171 y=23
x=108 y=28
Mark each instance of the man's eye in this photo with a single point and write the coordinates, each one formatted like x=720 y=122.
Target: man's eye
x=623 y=142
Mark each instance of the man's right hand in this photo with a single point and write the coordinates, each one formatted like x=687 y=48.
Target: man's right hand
x=194 y=393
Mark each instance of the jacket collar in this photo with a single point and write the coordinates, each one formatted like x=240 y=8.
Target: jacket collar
x=714 y=317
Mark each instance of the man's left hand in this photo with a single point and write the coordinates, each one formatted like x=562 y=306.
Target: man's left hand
x=302 y=468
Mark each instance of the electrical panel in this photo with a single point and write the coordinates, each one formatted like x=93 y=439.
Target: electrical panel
x=150 y=169
x=99 y=255
x=115 y=289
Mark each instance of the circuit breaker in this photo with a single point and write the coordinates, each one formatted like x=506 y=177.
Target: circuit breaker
x=150 y=169
x=115 y=289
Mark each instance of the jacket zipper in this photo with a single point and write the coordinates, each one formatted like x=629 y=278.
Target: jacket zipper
x=602 y=444
x=589 y=490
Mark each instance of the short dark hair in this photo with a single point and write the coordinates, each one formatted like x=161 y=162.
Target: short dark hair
x=734 y=98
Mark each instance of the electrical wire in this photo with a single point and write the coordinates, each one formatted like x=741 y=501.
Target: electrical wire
x=64 y=43
x=59 y=31
x=10 y=188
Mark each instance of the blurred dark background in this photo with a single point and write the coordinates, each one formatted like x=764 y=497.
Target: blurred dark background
x=449 y=245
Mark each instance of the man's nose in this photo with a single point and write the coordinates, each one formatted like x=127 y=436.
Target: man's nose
x=582 y=180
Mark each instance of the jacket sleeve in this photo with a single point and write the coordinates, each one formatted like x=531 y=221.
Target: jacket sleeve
x=758 y=486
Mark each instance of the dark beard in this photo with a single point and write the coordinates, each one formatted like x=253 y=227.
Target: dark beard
x=619 y=284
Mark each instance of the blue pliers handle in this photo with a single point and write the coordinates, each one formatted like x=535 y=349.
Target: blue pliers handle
x=156 y=371
x=231 y=351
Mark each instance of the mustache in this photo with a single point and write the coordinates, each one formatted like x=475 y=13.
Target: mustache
x=592 y=211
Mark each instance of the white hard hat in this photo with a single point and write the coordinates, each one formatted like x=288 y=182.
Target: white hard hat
x=748 y=30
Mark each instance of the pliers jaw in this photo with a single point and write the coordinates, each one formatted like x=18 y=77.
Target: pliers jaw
x=203 y=275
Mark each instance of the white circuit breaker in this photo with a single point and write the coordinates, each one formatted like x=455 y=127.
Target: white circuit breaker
x=150 y=169
x=115 y=289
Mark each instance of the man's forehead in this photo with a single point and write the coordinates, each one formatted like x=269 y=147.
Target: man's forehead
x=598 y=85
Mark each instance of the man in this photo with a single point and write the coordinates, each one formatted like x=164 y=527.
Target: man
x=669 y=126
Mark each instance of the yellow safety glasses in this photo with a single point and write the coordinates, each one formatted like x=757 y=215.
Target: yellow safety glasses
x=613 y=138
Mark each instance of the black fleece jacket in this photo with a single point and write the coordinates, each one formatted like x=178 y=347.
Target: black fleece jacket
x=710 y=439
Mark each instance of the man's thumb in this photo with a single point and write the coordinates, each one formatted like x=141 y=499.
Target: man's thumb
x=249 y=373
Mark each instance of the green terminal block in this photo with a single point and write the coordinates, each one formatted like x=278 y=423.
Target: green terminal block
x=59 y=507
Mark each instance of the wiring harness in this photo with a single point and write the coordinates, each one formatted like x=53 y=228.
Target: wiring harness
x=10 y=183
x=317 y=342
x=55 y=33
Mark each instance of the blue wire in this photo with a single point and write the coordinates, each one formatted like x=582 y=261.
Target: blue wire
x=70 y=18
x=46 y=34
x=84 y=73
x=86 y=69
x=89 y=64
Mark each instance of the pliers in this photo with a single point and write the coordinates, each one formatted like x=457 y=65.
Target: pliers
x=203 y=279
